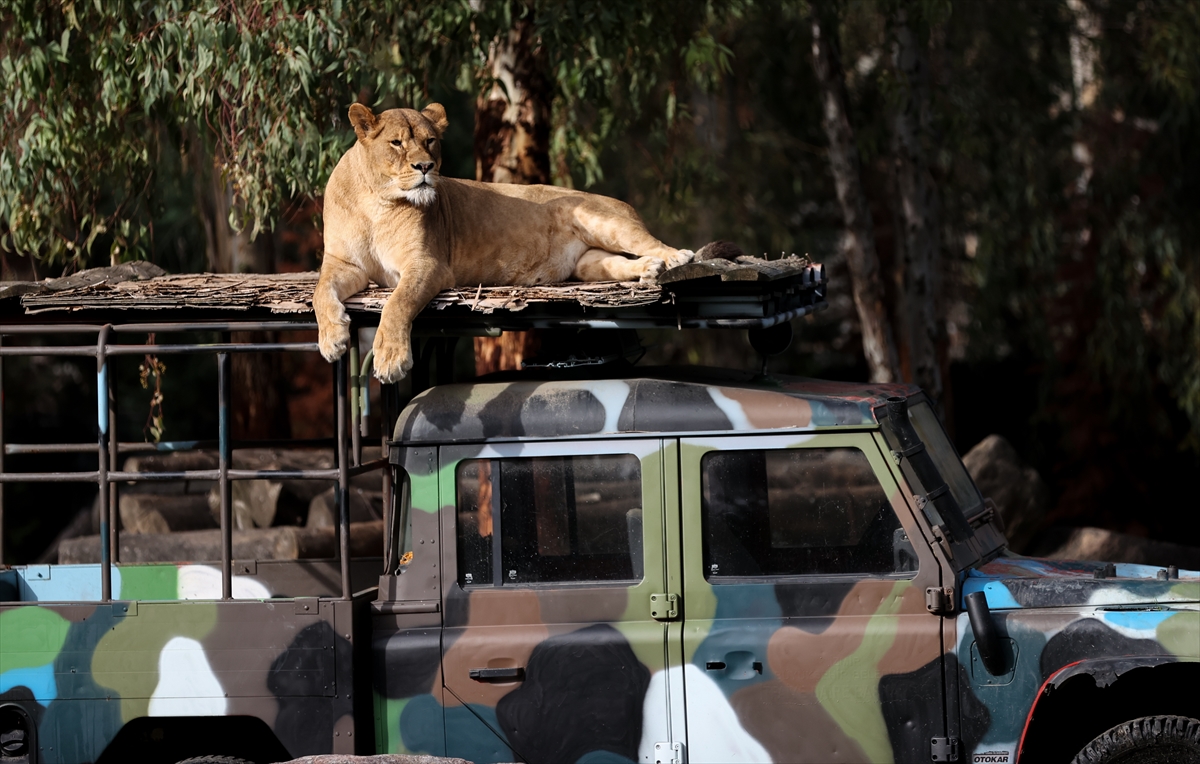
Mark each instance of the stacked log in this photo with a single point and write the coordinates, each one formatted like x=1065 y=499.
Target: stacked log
x=282 y=543
x=156 y=513
x=179 y=521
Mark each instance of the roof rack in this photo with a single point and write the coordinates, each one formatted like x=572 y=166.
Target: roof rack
x=713 y=294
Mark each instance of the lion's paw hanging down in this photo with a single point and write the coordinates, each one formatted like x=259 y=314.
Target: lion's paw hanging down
x=392 y=219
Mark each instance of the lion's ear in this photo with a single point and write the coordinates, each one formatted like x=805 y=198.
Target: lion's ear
x=436 y=113
x=363 y=120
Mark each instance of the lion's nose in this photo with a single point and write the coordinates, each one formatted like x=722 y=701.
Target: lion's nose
x=423 y=167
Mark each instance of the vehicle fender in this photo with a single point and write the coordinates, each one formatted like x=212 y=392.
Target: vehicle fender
x=1104 y=671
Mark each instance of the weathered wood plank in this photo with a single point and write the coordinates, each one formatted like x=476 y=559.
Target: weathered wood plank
x=130 y=288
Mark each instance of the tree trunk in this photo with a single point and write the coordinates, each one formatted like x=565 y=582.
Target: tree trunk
x=259 y=397
x=512 y=145
x=858 y=239
x=512 y=118
x=918 y=203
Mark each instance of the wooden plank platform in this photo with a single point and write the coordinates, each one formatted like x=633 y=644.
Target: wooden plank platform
x=709 y=290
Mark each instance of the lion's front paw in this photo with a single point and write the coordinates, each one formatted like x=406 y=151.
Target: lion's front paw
x=393 y=360
x=333 y=339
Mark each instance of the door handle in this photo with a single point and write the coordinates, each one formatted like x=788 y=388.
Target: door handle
x=756 y=666
x=506 y=674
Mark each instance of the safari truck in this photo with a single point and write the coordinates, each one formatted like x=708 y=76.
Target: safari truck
x=584 y=561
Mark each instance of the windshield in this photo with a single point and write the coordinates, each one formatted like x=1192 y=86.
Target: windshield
x=930 y=431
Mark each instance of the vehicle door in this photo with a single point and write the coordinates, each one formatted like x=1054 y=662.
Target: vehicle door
x=551 y=554
x=806 y=635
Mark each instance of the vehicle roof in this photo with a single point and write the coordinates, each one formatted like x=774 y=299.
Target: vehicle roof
x=641 y=400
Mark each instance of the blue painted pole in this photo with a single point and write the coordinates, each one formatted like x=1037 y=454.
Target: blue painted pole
x=102 y=421
x=224 y=451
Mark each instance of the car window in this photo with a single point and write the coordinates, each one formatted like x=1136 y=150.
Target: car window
x=809 y=511
x=549 y=519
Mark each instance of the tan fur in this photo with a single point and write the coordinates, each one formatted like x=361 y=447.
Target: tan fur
x=392 y=219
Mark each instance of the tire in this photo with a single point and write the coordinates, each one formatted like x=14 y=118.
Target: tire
x=214 y=760
x=1149 y=740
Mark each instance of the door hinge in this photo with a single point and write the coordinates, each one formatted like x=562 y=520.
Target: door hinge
x=664 y=606
x=939 y=601
x=668 y=753
x=943 y=749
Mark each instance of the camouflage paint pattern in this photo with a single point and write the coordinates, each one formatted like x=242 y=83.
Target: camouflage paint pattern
x=817 y=670
x=1058 y=614
x=82 y=670
x=799 y=668
x=707 y=400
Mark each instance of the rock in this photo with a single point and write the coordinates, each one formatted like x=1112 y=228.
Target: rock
x=1109 y=546
x=1018 y=491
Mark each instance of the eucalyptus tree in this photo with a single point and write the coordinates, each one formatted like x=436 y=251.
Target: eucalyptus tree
x=95 y=94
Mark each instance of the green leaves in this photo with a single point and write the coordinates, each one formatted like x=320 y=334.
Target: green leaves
x=95 y=92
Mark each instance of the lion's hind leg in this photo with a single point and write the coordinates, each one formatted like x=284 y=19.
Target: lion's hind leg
x=613 y=226
x=338 y=280
x=600 y=265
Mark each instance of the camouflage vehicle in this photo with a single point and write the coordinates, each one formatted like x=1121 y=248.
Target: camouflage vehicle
x=600 y=563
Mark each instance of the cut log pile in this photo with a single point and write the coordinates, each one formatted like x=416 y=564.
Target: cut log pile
x=282 y=543
x=272 y=519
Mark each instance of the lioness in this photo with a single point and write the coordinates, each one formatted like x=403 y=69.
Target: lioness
x=391 y=218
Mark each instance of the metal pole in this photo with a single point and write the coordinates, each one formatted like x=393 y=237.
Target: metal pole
x=340 y=374
x=102 y=419
x=2 y=444
x=223 y=458
x=114 y=519
x=355 y=386
x=385 y=401
x=364 y=403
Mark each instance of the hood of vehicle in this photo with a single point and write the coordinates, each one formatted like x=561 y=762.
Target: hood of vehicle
x=1012 y=583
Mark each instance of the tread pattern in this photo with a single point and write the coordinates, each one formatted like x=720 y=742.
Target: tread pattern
x=214 y=760
x=1148 y=740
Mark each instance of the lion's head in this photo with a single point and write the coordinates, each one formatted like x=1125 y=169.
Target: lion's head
x=404 y=146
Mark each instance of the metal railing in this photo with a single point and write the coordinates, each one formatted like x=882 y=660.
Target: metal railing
x=350 y=397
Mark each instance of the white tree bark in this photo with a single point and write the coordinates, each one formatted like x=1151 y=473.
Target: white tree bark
x=858 y=239
x=512 y=145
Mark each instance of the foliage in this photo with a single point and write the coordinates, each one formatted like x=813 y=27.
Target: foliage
x=705 y=117
x=1086 y=295
x=96 y=92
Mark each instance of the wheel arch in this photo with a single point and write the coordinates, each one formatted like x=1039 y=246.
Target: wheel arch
x=1082 y=700
x=169 y=739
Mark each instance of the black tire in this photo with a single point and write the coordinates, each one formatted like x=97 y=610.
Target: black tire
x=214 y=760
x=1149 y=740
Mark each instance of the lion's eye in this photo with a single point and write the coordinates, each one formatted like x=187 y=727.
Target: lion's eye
x=397 y=143
x=431 y=142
